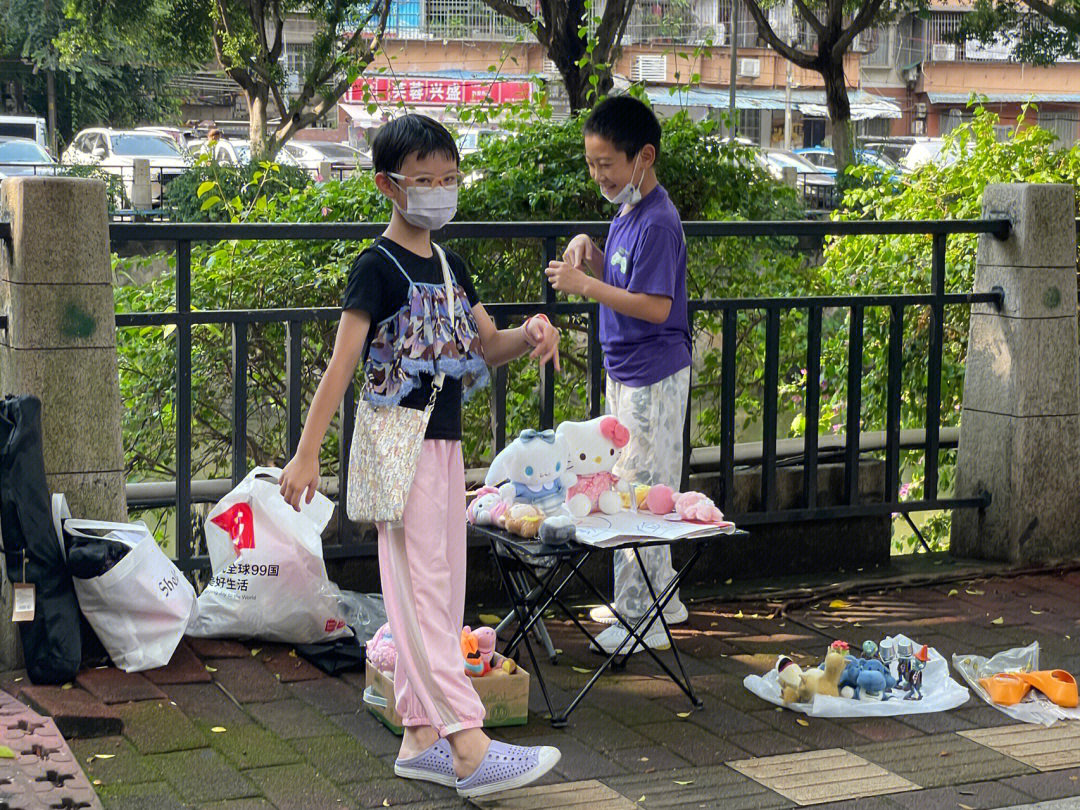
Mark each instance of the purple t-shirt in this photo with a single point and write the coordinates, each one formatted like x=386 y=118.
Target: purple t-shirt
x=645 y=252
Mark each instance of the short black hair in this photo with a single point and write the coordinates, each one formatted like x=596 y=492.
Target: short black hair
x=627 y=123
x=400 y=137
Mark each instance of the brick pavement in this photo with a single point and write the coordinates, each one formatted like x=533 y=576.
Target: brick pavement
x=252 y=727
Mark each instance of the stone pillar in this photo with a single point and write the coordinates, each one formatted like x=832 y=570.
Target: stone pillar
x=1020 y=427
x=141 y=197
x=326 y=170
x=57 y=292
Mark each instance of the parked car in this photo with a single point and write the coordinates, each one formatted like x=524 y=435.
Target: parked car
x=24 y=126
x=932 y=150
x=818 y=187
x=179 y=135
x=310 y=154
x=21 y=156
x=236 y=152
x=115 y=151
x=824 y=158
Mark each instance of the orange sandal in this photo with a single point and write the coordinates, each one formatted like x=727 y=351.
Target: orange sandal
x=1005 y=688
x=1056 y=684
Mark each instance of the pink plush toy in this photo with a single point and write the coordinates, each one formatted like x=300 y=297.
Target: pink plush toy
x=593 y=447
x=380 y=650
x=487 y=508
x=698 y=508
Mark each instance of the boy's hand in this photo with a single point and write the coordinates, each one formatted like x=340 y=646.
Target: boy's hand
x=300 y=478
x=540 y=334
x=580 y=252
x=567 y=278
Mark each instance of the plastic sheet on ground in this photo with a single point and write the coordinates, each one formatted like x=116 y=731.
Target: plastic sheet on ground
x=1035 y=707
x=940 y=693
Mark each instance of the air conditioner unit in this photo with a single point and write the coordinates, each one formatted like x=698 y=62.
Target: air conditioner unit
x=943 y=52
x=750 y=67
x=649 y=68
x=920 y=109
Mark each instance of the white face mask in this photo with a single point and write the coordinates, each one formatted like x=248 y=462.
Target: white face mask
x=631 y=193
x=427 y=208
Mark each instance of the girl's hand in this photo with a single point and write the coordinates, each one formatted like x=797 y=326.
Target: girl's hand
x=300 y=478
x=544 y=337
x=566 y=278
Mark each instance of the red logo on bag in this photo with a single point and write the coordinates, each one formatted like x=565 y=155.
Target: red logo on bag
x=239 y=522
x=334 y=624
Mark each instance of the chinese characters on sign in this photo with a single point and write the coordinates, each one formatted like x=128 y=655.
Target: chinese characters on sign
x=436 y=91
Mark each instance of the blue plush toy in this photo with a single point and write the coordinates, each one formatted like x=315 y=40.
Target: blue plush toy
x=866 y=677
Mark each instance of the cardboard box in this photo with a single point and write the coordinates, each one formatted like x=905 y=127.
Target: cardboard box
x=505 y=697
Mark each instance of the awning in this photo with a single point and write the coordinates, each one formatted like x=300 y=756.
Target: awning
x=810 y=103
x=1005 y=98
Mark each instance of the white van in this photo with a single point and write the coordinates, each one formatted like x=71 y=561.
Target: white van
x=24 y=126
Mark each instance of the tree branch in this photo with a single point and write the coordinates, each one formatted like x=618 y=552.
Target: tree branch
x=794 y=55
x=811 y=18
x=612 y=24
x=863 y=20
x=521 y=15
x=1054 y=13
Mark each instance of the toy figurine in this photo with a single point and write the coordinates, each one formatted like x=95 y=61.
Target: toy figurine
x=918 y=664
x=903 y=663
x=870 y=650
x=887 y=653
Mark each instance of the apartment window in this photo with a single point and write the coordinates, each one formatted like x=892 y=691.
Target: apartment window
x=953 y=119
x=1062 y=123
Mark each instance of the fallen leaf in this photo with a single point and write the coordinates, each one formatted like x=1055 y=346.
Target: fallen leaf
x=838 y=604
x=966 y=792
x=17 y=680
x=713 y=624
x=802 y=722
x=292 y=653
x=728 y=581
x=642 y=798
x=966 y=806
x=682 y=714
x=953 y=592
x=256 y=651
x=489 y=618
x=97 y=782
x=218 y=729
x=68 y=686
x=582 y=670
x=683 y=782
x=385 y=802
x=103 y=756
x=6 y=753
x=210 y=668
x=975 y=592
x=643 y=759
x=739 y=614
x=943 y=754
x=1036 y=613
x=998 y=620
x=858 y=624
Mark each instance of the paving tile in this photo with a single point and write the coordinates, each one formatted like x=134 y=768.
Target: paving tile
x=290 y=718
x=202 y=775
x=205 y=701
x=76 y=712
x=578 y=761
x=820 y=776
x=297 y=787
x=380 y=793
x=251 y=746
x=692 y=743
x=936 y=722
x=156 y=726
x=238 y=804
x=112 y=685
x=372 y=734
x=705 y=786
x=880 y=729
x=974 y=795
x=1049 y=785
x=818 y=732
x=124 y=764
x=717 y=717
x=1045 y=749
x=156 y=795
x=767 y=743
x=184 y=667
x=329 y=695
x=941 y=759
x=206 y=648
x=865 y=803
x=585 y=795
x=601 y=732
x=246 y=679
x=288 y=667
x=341 y=759
x=647 y=759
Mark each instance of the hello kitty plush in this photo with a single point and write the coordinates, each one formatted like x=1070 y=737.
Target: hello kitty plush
x=593 y=447
x=534 y=469
x=487 y=508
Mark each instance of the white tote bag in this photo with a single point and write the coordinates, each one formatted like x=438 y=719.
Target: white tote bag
x=269 y=580
x=141 y=606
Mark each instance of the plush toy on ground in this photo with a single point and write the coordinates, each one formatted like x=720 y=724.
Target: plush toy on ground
x=478 y=647
x=661 y=499
x=789 y=674
x=824 y=681
x=380 y=650
x=487 y=508
x=866 y=679
x=592 y=448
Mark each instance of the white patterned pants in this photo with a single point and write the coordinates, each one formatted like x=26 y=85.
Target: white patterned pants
x=655 y=416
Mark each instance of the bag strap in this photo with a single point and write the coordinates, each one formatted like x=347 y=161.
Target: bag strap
x=395 y=262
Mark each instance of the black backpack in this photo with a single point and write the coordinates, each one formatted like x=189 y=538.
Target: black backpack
x=52 y=642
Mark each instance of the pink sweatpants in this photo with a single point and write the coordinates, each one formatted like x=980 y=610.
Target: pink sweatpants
x=422 y=568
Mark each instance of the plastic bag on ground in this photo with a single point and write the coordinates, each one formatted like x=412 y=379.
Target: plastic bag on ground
x=364 y=612
x=1035 y=707
x=269 y=580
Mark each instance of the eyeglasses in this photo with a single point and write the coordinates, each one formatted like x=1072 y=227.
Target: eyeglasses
x=428 y=181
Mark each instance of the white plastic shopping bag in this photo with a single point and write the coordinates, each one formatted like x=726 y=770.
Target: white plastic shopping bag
x=269 y=578
x=141 y=606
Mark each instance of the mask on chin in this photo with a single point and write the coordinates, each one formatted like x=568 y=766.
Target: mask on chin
x=631 y=192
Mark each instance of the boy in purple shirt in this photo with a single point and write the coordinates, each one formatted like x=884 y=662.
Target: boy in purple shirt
x=639 y=280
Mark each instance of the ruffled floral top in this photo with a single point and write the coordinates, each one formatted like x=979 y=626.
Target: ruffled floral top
x=418 y=339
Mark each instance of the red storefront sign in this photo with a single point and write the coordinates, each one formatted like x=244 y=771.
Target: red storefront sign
x=436 y=91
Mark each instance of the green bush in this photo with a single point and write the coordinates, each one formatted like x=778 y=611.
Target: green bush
x=240 y=183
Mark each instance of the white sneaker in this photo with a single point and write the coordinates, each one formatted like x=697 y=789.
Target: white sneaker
x=601 y=614
x=609 y=640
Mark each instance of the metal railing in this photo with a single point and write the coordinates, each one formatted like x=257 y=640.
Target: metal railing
x=548 y=234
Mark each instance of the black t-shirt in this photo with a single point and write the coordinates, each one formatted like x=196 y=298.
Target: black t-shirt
x=377 y=287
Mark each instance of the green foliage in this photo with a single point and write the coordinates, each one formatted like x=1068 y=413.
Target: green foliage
x=1043 y=32
x=244 y=184
x=115 y=191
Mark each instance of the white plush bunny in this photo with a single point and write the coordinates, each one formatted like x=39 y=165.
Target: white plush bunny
x=534 y=469
x=593 y=447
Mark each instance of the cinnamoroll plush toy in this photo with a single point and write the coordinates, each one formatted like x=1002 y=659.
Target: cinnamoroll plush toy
x=593 y=447
x=534 y=469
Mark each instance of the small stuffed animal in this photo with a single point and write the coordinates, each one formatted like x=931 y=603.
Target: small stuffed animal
x=487 y=508
x=380 y=650
x=789 y=674
x=523 y=519
x=874 y=681
x=823 y=681
x=477 y=648
x=557 y=530
x=593 y=447
x=534 y=469
x=698 y=508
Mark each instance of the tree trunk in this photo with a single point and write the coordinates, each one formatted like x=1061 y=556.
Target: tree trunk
x=836 y=99
x=257 y=103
